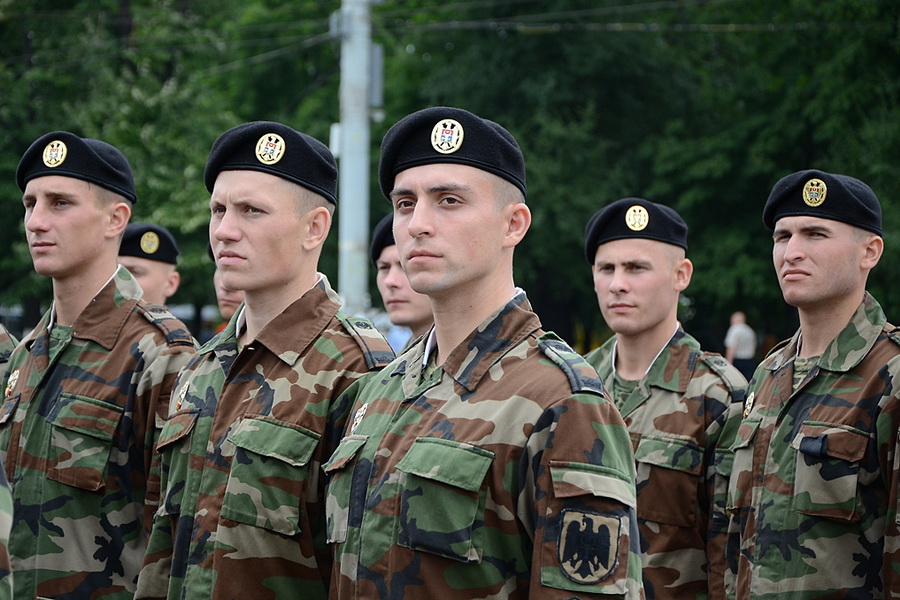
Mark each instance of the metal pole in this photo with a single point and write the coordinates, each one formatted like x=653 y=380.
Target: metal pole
x=353 y=149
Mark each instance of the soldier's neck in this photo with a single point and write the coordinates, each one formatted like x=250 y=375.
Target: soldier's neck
x=635 y=353
x=71 y=295
x=820 y=324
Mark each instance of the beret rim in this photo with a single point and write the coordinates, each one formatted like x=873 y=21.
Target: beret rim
x=76 y=175
x=210 y=185
x=481 y=166
x=771 y=221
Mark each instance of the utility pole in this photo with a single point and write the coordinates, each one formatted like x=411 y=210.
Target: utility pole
x=355 y=28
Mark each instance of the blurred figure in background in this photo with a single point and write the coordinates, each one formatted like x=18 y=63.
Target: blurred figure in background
x=151 y=254
x=409 y=311
x=740 y=345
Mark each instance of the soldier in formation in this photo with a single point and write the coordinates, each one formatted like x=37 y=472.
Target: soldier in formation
x=813 y=493
x=257 y=411
x=681 y=404
x=87 y=388
x=485 y=461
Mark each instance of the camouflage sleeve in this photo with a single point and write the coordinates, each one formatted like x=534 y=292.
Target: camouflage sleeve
x=891 y=565
x=717 y=543
x=580 y=498
x=156 y=384
x=724 y=400
x=6 y=512
x=153 y=580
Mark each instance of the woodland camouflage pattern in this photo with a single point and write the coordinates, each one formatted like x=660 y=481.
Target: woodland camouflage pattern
x=76 y=437
x=242 y=513
x=682 y=417
x=504 y=474
x=816 y=473
x=7 y=345
x=6 y=516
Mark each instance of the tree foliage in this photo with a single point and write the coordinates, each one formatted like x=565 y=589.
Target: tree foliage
x=701 y=105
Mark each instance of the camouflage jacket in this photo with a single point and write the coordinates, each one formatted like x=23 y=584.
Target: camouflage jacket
x=677 y=417
x=816 y=473
x=7 y=345
x=242 y=513
x=77 y=433
x=456 y=484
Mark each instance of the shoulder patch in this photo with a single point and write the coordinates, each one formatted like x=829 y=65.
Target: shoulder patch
x=176 y=332
x=725 y=370
x=581 y=375
x=376 y=351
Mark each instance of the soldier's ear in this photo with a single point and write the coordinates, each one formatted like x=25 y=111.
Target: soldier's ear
x=873 y=247
x=317 y=223
x=684 y=268
x=119 y=214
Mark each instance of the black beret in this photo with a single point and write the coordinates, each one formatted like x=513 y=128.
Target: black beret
x=66 y=154
x=825 y=195
x=382 y=236
x=634 y=218
x=449 y=135
x=146 y=240
x=275 y=149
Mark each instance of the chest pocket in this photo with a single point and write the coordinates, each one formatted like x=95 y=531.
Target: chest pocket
x=668 y=477
x=268 y=479
x=827 y=475
x=175 y=459
x=741 y=482
x=339 y=470
x=81 y=440
x=442 y=499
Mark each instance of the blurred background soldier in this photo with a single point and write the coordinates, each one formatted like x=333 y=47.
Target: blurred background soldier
x=151 y=254
x=409 y=311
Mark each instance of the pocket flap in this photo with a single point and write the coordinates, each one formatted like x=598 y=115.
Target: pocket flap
x=346 y=450
x=87 y=416
x=670 y=453
x=9 y=408
x=178 y=425
x=453 y=463
x=746 y=433
x=577 y=479
x=826 y=440
x=286 y=442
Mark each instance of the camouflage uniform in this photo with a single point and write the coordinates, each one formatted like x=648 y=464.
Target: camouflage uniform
x=7 y=345
x=241 y=515
x=815 y=480
x=677 y=418
x=77 y=431
x=454 y=484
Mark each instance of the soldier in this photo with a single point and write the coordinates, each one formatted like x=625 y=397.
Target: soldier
x=405 y=306
x=485 y=461
x=813 y=493
x=151 y=254
x=257 y=410
x=676 y=399
x=87 y=387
